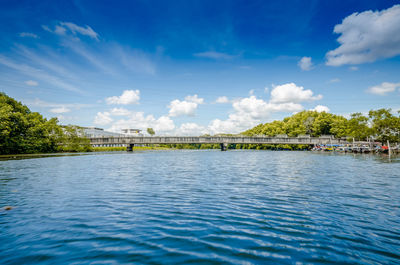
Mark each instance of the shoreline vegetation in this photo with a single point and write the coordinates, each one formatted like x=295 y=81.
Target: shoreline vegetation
x=26 y=132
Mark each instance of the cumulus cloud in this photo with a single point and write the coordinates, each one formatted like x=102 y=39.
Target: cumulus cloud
x=383 y=88
x=305 y=63
x=194 y=99
x=321 y=108
x=138 y=120
x=127 y=97
x=31 y=83
x=62 y=27
x=102 y=118
x=367 y=37
x=290 y=92
x=222 y=100
x=185 y=107
x=61 y=109
x=214 y=55
x=191 y=129
x=251 y=110
x=120 y=112
x=28 y=34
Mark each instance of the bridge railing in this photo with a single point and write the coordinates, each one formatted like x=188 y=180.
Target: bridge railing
x=214 y=140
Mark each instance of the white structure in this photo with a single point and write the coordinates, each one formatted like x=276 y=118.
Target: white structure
x=132 y=132
x=92 y=132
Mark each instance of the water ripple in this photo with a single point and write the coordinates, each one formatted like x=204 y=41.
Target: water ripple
x=200 y=207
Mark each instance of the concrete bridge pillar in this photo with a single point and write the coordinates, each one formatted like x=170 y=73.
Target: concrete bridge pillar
x=224 y=146
x=129 y=147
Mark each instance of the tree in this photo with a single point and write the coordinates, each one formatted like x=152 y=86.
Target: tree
x=358 y=127
x=385 y=125
x=23 y=131
x=73 y=140
x=151 y=131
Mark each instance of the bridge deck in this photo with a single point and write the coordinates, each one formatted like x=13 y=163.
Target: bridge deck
x=216 y=140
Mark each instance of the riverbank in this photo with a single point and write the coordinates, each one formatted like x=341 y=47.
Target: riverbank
x=94 y=150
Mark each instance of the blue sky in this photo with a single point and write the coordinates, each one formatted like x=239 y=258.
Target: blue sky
x=193 y=67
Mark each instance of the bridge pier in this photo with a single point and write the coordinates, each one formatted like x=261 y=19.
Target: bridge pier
x=129 y=147
x=224 y=146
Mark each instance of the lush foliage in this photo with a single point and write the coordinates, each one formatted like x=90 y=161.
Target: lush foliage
x=381 y=125
x=23 y=131
x=151 y=131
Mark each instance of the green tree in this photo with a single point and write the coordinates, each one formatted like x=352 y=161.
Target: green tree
x=385 y=125
x=151 y=131
x=339 y=126
x=23 y=131
x=358 y=127
x=73 y=140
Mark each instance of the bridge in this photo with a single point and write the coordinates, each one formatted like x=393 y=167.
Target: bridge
x=130 y=141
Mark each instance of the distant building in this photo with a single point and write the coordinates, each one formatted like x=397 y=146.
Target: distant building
x=132 y=132
x=97 y=132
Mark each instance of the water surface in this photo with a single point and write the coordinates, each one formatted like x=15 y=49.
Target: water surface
x=206 y=207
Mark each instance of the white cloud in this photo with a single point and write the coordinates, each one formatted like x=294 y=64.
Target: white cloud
x=334 y=80
x=31 y=83
x=38 y=74
x=249 y=112
x=120 y=112
x=194 y=99
x=48 y=65
x=383 y=88
x=28 y=34
x=164 y=124
x=138 y=120
x=305 y=63
x=87 y=31
x=222 y=100
x=353 y=68
x=190 y=129
x=127 y=97
x=94 y=59
x=102 y=118
x=41 y=103
x=61 y=109
x=214 y=55
x=59 y=30
x=62 y=28
x=134 y=60
x=321 y=108
x=290 y=92
x=180 y=108
x=367 y=37
x=185 y=107
x=258 y=109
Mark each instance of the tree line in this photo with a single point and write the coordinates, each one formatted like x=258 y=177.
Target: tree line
x=379 y=125
x=24 y=132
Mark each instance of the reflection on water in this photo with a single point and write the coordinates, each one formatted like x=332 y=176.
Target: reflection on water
x=201 y=207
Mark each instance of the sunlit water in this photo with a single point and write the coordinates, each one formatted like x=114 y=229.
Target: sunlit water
x=174 y=207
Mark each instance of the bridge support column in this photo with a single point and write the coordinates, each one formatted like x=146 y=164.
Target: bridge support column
x=224 y=146
x=129 y=147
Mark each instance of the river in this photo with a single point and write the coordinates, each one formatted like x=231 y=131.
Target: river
x=200 y=207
